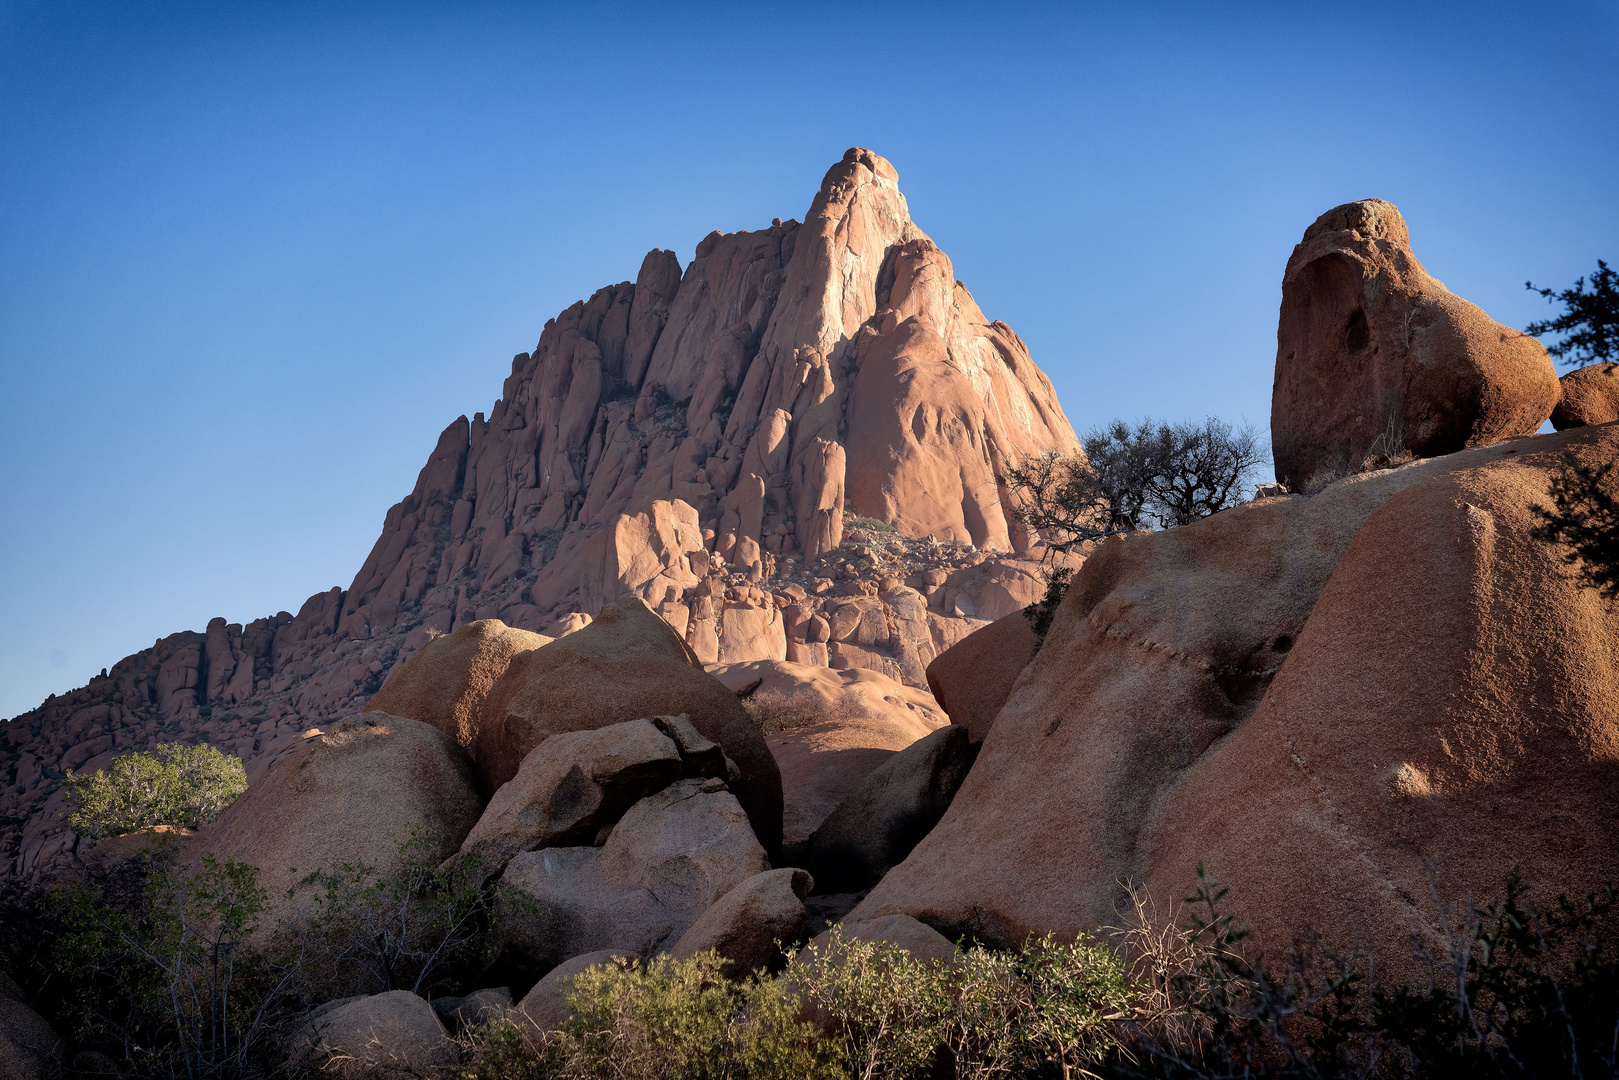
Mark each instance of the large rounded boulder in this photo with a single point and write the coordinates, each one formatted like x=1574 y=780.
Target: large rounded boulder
x=1590 y=397
x=1376 y=359
x=1322 y=700
x=445 y=683
x=626 y=665
x=353 y=792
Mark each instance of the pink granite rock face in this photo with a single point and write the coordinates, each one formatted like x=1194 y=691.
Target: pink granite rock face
x=701 y=439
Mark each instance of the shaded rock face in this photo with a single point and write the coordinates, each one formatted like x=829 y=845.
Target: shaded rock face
x=828 y=730
x=391 y=1035
x=29 y=1048
x=1374 y=356
x=666 y=861
x=692 y=438
x=973 y=677
x=351 y=793
x=1590 y=396
x=745 y=924
x=1313 y=696
x=882 y=820
x=626 y=665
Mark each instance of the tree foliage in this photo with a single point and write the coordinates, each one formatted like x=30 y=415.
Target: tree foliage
x=1590 y=319
x=1585 y=516
x=177 y=785
x=1134 y=477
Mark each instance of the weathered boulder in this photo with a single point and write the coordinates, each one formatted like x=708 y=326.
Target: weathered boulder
x=747 y=923
x=352 y=792
x=391 y=1035
x=546 y=1004
x=567 y=788
x=670 y=857
x=444 y=684
x=479 y=1007
x=1375 y=357
x=973 y=677
x=1455 y=704
x=29 y=1048
x=626 y=665
x=876 y=827
x=1590 y=397
x=828 y=730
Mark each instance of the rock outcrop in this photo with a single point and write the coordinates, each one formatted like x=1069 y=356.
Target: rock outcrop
x=828 y=730
x=883 y=819
x=1313 y=696
x=670 y=857
x=445 y=683
x=1590 y=397
x=627 y=664
x=700 y=438
x=353 y=792
x=1375 y=358
x=748 y=925
x=391 y=1036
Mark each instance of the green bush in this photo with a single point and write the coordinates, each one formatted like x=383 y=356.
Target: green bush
x=171 y=987
x=666 y=1018
x=408 y=929
x=177 y=785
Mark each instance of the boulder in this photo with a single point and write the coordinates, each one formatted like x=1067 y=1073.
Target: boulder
x=445 y=683
x=567 y=788
x=749 y=924
x=973 y=678
x=1375 y=358
x=478 y=1007
x=828 y=730
x=627 y=664
x=670 y=857
x=29 y=1048
x=1448 y=697
x=395 y=1034
x=352 y=792
x=876 y=827
x=546 y=1004
x=1590 y=397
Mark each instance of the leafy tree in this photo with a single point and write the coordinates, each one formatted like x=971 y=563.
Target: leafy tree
x=1585 y=516
x=171 y=986
x=1590 y=319
x=182 y=786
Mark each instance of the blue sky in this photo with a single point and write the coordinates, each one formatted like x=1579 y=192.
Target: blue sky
x=253 y=258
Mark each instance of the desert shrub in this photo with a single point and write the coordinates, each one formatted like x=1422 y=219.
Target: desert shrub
x=172 y=987
x=408 y=929
x=177 y=785
x=665 y=1018
x=775 y=711
x=855 y=521
x=1052 y=1005
x=1514 y=992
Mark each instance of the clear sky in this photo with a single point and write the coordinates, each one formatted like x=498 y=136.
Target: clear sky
x=254 y=257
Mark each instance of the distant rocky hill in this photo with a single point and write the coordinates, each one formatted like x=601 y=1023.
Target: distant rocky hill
x=788 y=449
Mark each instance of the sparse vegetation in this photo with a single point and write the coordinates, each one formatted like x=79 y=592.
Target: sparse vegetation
x=174 y=785
x=1585 y=516
x=1590 y=319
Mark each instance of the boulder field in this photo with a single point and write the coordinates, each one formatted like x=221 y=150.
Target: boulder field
x=1342 y=705
x=786 y=448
